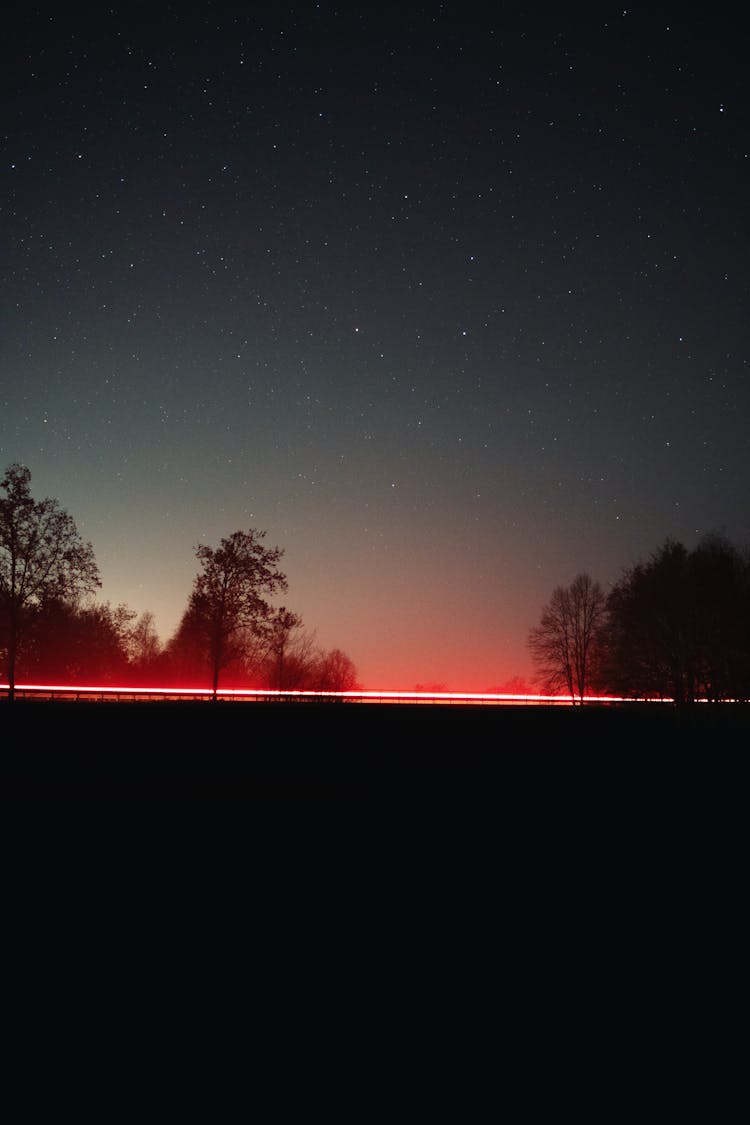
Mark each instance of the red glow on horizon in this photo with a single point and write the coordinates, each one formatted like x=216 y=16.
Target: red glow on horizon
x=131 y=692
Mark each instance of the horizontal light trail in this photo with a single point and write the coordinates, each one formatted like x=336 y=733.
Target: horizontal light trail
x=126 y=694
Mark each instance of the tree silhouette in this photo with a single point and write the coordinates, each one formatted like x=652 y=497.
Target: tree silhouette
x=69 y=643
x=720 y=580
x=288 y=651
x=651 y=619
x=678 y=624
x=42 y=560
x=228 y=598
x=335 y=671
x=143 y=646
x=563 y=645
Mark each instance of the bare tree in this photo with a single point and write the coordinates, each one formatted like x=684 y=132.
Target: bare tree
x=335 y=671
x=287 y=659
x=288 y=651
x=564 y=642
x=143 y=645
x=228 y=596
x=42 y=560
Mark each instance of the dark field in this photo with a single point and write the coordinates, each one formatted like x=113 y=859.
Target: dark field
x=601 y=844
x=343 y=751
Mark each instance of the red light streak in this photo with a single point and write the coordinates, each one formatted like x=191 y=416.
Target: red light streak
x=126 y=693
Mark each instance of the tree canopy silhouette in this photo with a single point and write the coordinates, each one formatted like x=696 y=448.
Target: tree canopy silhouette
x=78 y=644
x=42 y=560
x=229 y=596
x=678 y=624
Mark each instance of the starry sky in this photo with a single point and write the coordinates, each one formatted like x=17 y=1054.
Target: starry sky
x=450 y=300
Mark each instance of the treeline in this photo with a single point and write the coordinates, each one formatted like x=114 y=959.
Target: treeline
x=674 y=626
x=52 y=630
x=73 y=643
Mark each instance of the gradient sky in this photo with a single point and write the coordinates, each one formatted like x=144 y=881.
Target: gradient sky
x=450 y=300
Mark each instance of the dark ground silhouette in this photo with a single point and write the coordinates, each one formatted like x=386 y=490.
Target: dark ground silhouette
x=343 y=751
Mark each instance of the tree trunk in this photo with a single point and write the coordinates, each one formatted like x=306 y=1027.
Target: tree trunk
x=12 y=650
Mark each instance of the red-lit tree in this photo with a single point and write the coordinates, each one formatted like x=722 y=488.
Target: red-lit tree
x=335 y=671
x=77 y=644
x=288 y=652
x=42 y=560
x=144 y=649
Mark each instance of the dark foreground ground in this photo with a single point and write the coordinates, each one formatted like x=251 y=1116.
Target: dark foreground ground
x=483 y=849
x=554 y=894
x=334 y=751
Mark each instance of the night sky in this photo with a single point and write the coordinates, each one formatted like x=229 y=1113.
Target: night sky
x=450 y=300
